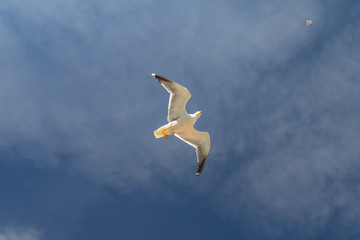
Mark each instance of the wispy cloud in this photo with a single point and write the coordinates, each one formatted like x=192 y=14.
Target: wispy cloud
x=78 y=71
x=304 y=172
x=16 y=233
x=278 y=99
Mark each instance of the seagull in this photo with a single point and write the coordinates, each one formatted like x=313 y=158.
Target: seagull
x=181 y=123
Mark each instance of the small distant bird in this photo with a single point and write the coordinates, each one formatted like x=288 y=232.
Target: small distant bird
x=181 y=123
x=308 y=22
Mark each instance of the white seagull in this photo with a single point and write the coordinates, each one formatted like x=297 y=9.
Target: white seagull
x=181 y=123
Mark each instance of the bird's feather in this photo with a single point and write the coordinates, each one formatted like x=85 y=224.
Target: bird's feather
x=200 y=141
x=179 y=96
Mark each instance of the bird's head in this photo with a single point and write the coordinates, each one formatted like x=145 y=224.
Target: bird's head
x=198 y=114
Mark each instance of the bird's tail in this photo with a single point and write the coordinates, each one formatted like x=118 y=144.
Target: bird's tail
x=160 y=131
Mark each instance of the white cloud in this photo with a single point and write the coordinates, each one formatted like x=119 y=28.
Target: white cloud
x=69 y=91
x=305 y=171
x=68 y=99
x=16 y=233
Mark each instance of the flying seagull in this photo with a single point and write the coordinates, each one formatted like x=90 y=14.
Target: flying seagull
x=181 y=123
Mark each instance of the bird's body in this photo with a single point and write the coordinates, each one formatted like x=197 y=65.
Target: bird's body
x=181 y=123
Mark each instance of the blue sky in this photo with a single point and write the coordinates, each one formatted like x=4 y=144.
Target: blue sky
x=78 y=159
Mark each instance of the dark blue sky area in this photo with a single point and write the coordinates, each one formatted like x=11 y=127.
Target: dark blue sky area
x=78 y=158
x=57 y=202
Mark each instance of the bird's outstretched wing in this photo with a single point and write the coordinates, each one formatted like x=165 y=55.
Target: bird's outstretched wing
x=179 y=96
x=200 y=141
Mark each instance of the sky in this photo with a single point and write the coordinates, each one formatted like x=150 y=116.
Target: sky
x=78 y=158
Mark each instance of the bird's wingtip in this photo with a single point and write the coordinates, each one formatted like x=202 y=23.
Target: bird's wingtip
x=201 y=166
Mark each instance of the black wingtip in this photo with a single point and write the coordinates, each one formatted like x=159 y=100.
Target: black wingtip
x=201 y=167
x=160 y=78
x=155 y=76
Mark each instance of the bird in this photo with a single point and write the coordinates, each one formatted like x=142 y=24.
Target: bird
x=308 y=22
x=181 y=124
